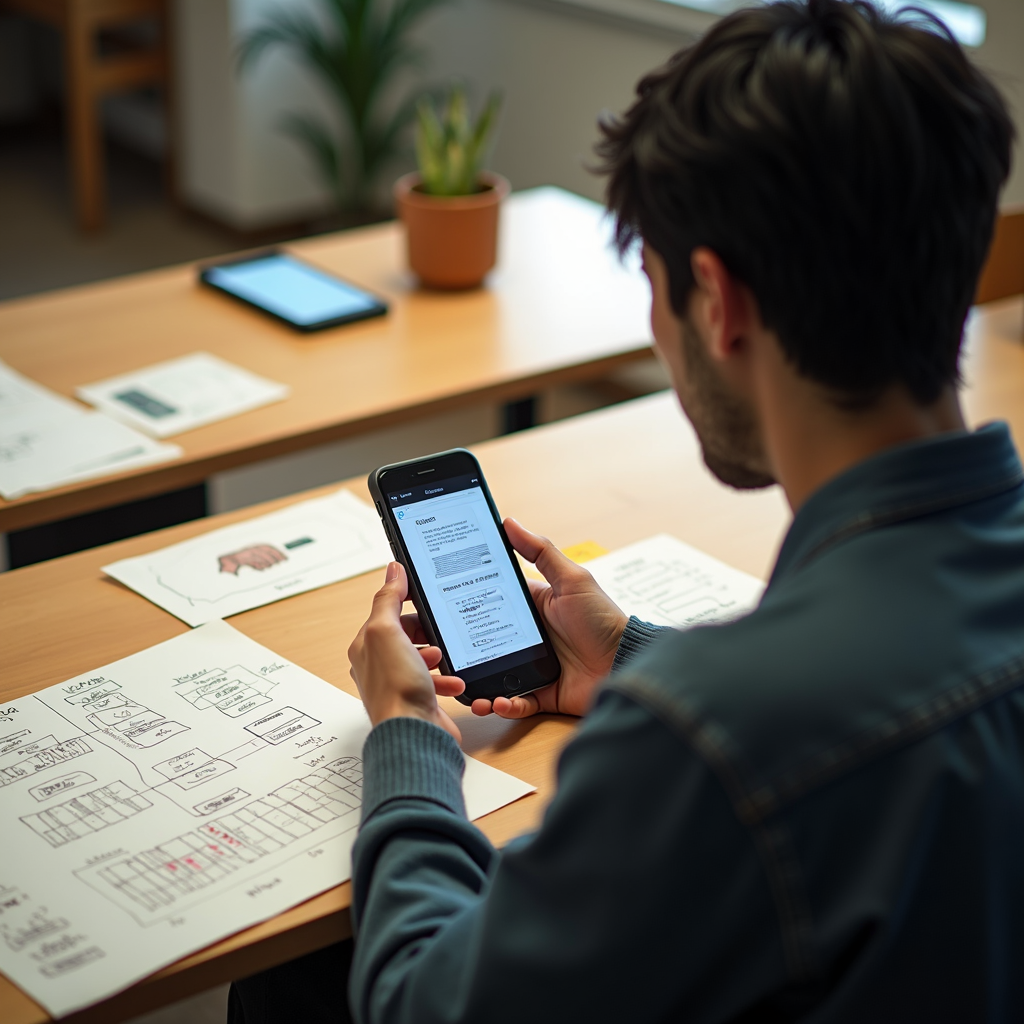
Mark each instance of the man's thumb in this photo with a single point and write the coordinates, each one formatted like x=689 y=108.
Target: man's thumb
x=393 y=593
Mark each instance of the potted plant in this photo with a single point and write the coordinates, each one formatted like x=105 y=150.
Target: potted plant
x=450 y=206
x=356 y=48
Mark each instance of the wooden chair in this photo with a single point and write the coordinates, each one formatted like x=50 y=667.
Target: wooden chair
x=1003 y=274
x=90 y=75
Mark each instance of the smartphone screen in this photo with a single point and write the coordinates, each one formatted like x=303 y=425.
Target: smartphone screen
x=465 y=574
x=293 y=291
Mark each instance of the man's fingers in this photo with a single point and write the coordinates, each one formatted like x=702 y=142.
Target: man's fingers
x=515 y=707
x=431 y=656
x=507 y=707
x=448 y=686
x=414 y=628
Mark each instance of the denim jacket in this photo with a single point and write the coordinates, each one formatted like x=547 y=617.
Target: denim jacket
x=813 y=813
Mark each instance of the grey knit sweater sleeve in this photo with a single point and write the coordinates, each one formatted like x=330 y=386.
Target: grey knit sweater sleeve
x=410 y=758
x=635 y=637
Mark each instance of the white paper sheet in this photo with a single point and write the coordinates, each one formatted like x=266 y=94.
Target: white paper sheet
x=157 y=804
x=235 y=568
x=666 y=582
x=48 y=441
x=181 y=394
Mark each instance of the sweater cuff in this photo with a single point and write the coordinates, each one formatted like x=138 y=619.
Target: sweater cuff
x=635 y=637
x=408 y=757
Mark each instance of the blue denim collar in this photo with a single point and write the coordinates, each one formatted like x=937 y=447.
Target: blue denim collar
x=901 y=483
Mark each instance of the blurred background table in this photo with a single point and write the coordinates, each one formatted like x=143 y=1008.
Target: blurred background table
x=559 y=308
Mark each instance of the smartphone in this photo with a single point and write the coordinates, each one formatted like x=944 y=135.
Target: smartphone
x=305 y=298
x=464 y=578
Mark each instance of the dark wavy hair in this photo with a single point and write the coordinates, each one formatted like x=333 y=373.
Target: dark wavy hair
x=844 y=164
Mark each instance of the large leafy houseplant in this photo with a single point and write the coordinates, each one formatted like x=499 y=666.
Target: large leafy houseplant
x=356 y=48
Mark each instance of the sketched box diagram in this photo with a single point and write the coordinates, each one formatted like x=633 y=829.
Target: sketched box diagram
x=233 y=691
x=181 y=871
x=87 y=813
x=40 y=756
x=282 y=725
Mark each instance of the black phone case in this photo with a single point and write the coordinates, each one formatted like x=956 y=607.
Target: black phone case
x=350 y=318
x=473 y=690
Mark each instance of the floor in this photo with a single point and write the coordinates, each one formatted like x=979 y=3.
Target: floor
x=40 y=247
x=207 y=1008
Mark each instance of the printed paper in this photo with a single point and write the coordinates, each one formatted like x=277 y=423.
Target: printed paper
x=48 y=441
x=181 y=394
x=668 y=583
x=155 y=805
x=261 y=560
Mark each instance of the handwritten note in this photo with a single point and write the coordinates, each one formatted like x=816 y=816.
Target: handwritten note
x=48 y=441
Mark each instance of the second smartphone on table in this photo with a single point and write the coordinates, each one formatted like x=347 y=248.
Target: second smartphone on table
x=464 y=578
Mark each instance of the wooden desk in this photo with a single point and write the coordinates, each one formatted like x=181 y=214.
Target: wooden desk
x=558 y=309
x=584 y=479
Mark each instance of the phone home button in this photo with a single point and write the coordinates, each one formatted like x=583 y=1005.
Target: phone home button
x=512 y=684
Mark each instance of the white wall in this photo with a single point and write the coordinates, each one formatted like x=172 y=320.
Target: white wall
x=234 y=163
x=557 y=64
x=559 y=67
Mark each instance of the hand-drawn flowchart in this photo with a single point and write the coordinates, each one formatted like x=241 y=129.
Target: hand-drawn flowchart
x=157 y=804
x=666 y=582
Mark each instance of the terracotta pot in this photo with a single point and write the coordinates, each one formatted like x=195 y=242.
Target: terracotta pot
x=452 y=240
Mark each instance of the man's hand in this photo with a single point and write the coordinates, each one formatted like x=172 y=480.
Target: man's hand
x=393 y=676
x=584 y=624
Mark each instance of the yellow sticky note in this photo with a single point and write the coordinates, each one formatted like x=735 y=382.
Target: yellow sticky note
x=584 y=551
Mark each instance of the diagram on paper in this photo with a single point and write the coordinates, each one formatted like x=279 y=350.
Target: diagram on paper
x=164 y=801
x=233 y=692
x=87 y=813
x=668 y=583
x=265 y=559
x=159 y=881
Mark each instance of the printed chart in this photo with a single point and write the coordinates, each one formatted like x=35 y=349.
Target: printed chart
x=157 y=804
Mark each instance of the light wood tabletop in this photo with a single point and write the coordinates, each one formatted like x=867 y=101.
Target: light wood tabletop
x=559 y=308
x=612 y=477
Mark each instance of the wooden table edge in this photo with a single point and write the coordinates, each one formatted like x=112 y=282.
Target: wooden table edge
x=105 y=492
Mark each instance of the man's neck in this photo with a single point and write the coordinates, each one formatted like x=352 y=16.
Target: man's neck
x=810 y=439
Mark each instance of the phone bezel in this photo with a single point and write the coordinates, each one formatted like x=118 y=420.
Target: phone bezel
x=379 y=309
x=531 y=674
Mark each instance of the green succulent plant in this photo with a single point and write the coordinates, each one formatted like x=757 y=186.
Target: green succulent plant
x=450 y=148
x=355 y=48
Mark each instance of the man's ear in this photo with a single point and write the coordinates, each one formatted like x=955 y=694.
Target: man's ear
x=720 y=303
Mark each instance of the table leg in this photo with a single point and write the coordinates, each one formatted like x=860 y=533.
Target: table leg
x=520 y=415
x=86 y=144
x=51 y=540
